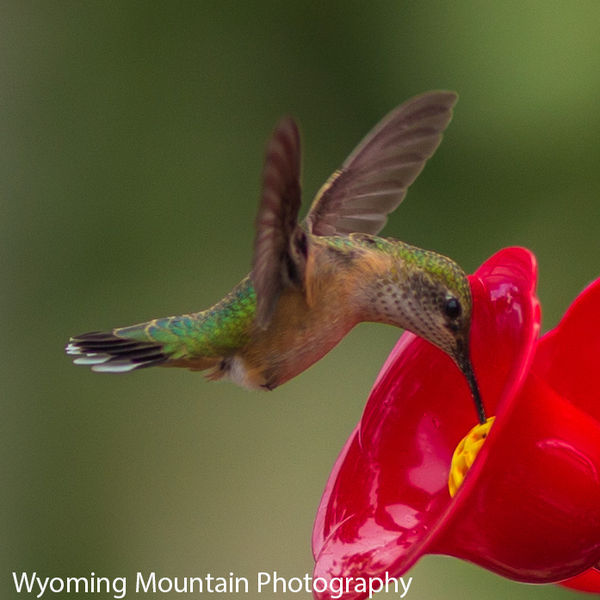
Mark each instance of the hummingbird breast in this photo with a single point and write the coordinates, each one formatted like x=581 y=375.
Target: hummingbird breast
x=309 y=319
x=298 y=335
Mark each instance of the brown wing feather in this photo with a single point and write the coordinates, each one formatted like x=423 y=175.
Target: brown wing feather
x=277 y=217
x=374 y=178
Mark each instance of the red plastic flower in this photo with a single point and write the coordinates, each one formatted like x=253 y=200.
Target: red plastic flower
x=529 y=508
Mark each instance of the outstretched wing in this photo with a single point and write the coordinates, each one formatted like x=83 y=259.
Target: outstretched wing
x=374 y=178
x=274 y=264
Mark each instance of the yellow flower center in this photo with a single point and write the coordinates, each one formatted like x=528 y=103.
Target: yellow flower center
x=466 y=453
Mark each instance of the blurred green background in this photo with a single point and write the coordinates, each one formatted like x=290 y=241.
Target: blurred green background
x=132 y=142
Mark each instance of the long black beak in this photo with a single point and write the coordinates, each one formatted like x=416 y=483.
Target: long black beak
x=467 y=369
x=463 y=360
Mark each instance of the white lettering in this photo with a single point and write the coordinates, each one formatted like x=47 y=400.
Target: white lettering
x=405 y=587
x=390 y=581
x=69 y=585
x=119 y=587
x=336 y=586
x=42 y=587
x=165 y=585
x=263 y=579
x=294 y=585
x=75 y=581
x=277 y=580
x=149 y=586
x=221 y=585
x=150 y=583
x=320 y=585
x=59 y=587
x=209 y=579
x=26 y=581
x=361 y=586
x=238 y=581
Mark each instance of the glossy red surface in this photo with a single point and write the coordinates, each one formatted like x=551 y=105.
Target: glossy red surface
x=529 y=508
x=588 y=581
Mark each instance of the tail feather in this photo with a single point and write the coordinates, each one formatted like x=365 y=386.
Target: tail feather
x=106 y=352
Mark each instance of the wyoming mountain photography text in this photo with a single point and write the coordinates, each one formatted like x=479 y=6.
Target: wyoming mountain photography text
x=35 y=585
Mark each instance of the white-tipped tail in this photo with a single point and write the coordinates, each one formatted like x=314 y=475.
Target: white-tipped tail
x=91 y=359
x=116 y=367
x=111 y=353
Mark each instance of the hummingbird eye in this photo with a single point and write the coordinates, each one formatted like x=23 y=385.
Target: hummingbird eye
x=452 y=308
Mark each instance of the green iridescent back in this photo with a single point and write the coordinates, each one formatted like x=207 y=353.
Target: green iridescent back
x=213 y=332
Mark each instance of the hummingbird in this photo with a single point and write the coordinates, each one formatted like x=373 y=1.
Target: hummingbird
x=312 y=281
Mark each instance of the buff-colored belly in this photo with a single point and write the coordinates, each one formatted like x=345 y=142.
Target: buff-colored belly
x=297 y=337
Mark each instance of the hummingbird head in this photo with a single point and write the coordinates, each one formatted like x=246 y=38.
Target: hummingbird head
x=430 y=295
x=440 y=312
x=456 y=325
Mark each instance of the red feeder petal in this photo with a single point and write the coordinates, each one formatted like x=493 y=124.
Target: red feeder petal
x=528 y=508
x=588 y=581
